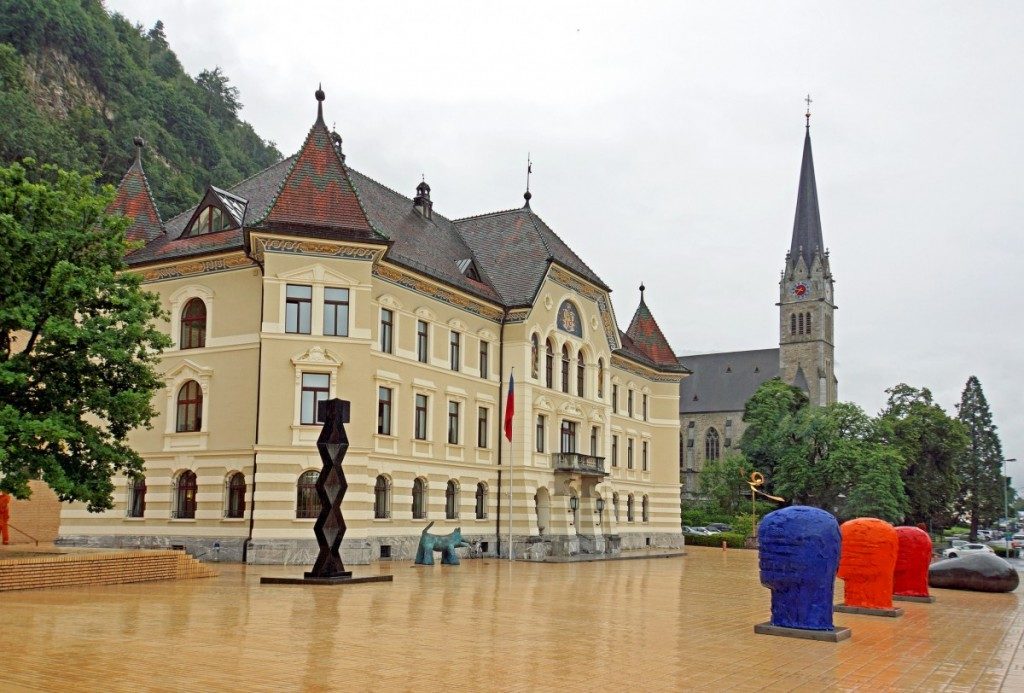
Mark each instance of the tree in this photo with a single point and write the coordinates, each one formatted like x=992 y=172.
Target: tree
x=723 y=481
x=930 y=442
x=78 y=339
x=222 y=99
x=767 y=414
x=980 y=466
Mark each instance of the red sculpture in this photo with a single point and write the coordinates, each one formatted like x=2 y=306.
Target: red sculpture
x=867 y=562
x=5 y=518
x=910 y=578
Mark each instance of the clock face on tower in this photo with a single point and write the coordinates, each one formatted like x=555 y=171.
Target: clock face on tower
x=799 y=290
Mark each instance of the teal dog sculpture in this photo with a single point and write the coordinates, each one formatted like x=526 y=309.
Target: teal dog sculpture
x=446 y=544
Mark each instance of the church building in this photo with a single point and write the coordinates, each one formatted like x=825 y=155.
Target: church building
x=713 y=397
x=310 y=281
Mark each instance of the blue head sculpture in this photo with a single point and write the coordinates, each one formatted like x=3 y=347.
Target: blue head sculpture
x=799 y=555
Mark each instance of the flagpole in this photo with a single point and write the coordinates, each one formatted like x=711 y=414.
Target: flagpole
x=511 y=459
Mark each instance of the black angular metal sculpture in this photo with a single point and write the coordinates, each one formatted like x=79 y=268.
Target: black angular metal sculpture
x=330 y=488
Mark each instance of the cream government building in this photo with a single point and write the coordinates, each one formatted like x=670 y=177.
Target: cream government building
x=310 y=281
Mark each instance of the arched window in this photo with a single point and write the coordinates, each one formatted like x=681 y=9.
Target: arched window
x=629 y=508
x=190 y=407
x=137 y=497
x=549 y=364
x=711 y=449
x=800 y=323
x=645 y=510
x=615 y=505
x=565 y=368
x=600 y=378
x=580 y=372
x=808 y=322
x=185 y=488
x=307 y=505
x=451 y=500
x=235 y=506
x=193 y=325
x=419 y=499
x=481 y=501
x=382 y=498
x=792 y=323
x=535 y=356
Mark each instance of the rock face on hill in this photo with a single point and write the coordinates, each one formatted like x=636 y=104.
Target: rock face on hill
x=981 y=572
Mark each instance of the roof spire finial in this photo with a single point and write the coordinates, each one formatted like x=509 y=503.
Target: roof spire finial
x=320 y=96
x=642 y=290
x=529 y=169
x=808 y=113
x=139 y=144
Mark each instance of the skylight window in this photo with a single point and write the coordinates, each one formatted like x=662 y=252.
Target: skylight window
x=210 y=220
x=218 y=211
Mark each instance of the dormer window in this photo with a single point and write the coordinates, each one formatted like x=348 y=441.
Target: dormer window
x=218 y=211
x=468 y=268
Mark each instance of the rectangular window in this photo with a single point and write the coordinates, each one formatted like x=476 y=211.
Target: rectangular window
x=615 y=451
x=541 y=434
x=481 y=428
x=298 y=309
x=645 y=407
x=643 y=458
x=629 y=403
x=615 y=399
x=456 y=350
x=315 y=389
x=384 y=411
x=485 y=349
x=420 y=424
x=387 y=330
x=422 y=341
x=453 y=423
x=336 y=312
x=629 y=453
x=593 y=441
x=568 y=436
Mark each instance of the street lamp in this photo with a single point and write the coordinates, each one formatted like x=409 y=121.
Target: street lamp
x=1006 y=504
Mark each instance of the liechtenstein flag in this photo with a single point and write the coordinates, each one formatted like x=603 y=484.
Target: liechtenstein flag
x=510 y=406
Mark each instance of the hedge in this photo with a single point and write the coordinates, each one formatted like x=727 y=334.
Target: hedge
x=735 y=540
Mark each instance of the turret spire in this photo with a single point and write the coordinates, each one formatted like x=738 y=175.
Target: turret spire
x=807 y=240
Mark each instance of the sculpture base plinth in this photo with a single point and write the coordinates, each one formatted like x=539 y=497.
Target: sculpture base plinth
x=835 y=635
x=868 y=611
x=913 y=598
x=340 y=580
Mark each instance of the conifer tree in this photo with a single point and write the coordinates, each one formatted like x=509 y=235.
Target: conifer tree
x=980 y=466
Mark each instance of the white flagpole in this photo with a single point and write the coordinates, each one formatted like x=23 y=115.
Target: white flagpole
x=511 y=455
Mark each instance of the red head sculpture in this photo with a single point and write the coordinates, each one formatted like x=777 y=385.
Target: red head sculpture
x=867 y=562
x=912 y=561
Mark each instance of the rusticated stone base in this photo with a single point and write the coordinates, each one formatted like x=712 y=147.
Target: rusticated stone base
x=835 y=635
x=868 y=611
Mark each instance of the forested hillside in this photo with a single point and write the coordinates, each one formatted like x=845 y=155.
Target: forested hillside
x=77 y=84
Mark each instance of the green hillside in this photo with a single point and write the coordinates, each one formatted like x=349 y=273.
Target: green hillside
x=77 y=84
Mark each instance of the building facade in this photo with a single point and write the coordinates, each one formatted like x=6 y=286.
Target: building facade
x=712 y=399
x=310 y=281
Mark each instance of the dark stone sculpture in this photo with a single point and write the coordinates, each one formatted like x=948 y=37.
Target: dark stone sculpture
x=980 y=572
x=799 y=555
x=446 y=544
x=910 y=578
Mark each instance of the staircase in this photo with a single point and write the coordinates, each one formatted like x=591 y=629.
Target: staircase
x=26 y=571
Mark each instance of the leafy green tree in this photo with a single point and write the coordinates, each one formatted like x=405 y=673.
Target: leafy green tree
x=930 y=442
x=980 y=467
x=222 y=99
x=723 y=481
x=767 y=414
x=78 y=341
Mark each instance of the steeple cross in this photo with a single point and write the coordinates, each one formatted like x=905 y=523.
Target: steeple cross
x=808 y=113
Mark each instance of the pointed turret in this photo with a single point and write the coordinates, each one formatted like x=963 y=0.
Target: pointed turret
x=135 y=201
x=647 y=336
x=317 y=192
x=807 y=241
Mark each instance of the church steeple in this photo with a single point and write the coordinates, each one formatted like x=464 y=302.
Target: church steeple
x=807 y=241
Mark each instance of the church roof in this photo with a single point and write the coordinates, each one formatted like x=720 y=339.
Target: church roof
x=725 y=381
x=135 y=200
x=515 y=247
x=807 y=240
x=645 y=334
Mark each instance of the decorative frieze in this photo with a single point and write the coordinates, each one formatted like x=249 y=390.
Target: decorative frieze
x=648 y=373
x=321 y=248
x=193 y=267
x=565 y=278
x=439 y=293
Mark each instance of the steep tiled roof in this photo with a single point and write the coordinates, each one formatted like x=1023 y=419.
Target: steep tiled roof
x=135 y=200
x=726 y=380
x=514 y=248
x=645 y=334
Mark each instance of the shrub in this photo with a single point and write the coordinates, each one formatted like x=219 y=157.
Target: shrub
x=735 y=540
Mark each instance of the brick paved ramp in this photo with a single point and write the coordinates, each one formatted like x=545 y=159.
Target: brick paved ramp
x=678 y=624
x=26 y=570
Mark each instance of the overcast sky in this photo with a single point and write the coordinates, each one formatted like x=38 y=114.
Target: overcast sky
x=666 y=141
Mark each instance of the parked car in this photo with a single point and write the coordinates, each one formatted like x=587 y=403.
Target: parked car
x=719 y=527
x=696 y=531
x=986 y=534
x=1017 y=541
x=965 y=549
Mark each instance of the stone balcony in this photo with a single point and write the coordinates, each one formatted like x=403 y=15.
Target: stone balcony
x=578 y=463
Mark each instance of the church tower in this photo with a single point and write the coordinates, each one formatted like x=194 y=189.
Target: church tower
x=806 y=308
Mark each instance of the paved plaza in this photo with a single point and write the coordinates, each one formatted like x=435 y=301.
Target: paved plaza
x=683 y=623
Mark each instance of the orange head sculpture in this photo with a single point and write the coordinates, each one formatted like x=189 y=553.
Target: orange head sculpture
x=915 y=555
x=867 y=562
